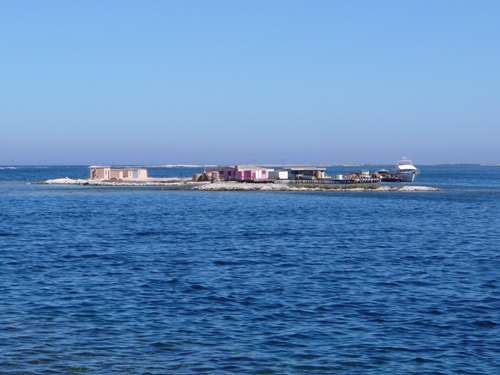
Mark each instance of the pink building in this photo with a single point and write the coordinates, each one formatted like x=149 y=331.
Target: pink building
x=108 y=173
x=240 y=173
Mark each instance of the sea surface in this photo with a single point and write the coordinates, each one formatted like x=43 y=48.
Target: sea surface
x=136 y=280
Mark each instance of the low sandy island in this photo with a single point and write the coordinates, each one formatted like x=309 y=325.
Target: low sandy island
x=188 y=184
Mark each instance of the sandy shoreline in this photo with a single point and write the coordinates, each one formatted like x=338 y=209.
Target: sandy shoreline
x=188 y=184
x=97 y=182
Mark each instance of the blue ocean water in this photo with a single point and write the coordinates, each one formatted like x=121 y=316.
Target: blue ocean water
x=106 y=280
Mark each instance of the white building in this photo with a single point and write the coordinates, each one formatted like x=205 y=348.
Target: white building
x=109 y=173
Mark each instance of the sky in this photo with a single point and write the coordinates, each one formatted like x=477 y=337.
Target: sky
x=153 y=82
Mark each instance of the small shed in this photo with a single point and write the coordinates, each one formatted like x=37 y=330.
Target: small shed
x=108 y=173
x=306 y=173
x=278 y=175
x=240 y=173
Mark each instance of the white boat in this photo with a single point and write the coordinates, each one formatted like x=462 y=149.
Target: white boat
x=405 y=169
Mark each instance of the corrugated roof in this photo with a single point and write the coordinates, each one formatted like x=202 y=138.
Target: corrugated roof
x=304 y=168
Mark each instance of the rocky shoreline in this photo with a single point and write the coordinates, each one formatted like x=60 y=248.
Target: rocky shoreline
x=188 y=184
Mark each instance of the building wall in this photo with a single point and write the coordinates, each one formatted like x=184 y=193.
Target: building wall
x=117 y=174
x=225 y=173
x=251 y=174
x=239 y=173
x=279 y=175
x=106 y=173
x=141 y=173
x=100 y=173
x=296 y=173
x=135 y=174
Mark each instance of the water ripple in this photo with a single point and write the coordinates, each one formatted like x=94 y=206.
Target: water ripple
x=189 y=283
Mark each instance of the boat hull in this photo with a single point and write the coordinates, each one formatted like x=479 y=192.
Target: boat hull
x=406 y=177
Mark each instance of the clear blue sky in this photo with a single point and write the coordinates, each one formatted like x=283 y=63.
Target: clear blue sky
x=240 y=82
